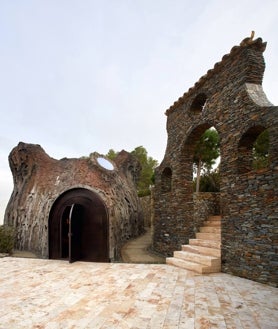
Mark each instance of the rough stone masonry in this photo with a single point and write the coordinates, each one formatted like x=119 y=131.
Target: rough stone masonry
x=229 y=98
x=82 y=209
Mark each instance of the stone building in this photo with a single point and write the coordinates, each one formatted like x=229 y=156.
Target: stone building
x=76 y=209
x=229 y=98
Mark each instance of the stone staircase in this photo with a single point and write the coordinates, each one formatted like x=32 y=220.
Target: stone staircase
x=203 y=254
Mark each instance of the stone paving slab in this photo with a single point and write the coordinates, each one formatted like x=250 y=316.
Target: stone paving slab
x=36 y=293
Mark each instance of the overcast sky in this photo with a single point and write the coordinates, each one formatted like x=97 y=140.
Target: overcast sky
x=78 y=76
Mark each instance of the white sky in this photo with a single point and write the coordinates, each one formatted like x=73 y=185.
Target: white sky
x=78 y=76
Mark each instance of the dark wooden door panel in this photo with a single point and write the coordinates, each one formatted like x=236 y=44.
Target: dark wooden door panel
x=88 y=227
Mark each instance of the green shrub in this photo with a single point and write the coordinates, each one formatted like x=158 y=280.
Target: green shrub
x=7 y=237
x=143 y=193
x=209 y=182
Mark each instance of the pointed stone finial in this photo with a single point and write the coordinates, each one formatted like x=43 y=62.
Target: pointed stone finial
x=247 y=41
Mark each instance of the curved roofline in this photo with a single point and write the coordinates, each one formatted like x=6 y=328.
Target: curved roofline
x=257 y=44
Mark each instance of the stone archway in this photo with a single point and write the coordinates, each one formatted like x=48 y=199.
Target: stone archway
x=78 y=227
x=230 y=98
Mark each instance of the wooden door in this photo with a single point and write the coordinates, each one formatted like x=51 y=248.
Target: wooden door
x=75 y=232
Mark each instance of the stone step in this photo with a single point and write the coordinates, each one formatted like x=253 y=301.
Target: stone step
x=209 y=236
x=199 y=268
x=208 y=229
x=216 y=252
x=205 y=243
x=203 y=254
x=197 y=258
x=213 y=223
x=215 y=218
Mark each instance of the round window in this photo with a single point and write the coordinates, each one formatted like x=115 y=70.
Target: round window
x=104 y=163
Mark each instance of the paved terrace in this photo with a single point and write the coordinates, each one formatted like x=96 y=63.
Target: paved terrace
x=37 y=293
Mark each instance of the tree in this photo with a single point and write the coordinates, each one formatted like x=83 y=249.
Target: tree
x=209 y=182
x=260 y=150
x=111 y=154
x=206 y=152
x=148 y=165
x=147 y=173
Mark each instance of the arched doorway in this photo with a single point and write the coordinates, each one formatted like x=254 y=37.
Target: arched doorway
x=78 y=227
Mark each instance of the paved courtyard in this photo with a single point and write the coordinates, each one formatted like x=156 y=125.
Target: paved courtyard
x=36 y=293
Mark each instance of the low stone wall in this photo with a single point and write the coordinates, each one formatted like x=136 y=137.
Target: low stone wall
x=205 y=204
x=176 y=230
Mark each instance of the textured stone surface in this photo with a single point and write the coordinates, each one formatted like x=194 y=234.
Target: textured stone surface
x=40 y=180
x=147 y=207
x=205 y=205
x=229 y=98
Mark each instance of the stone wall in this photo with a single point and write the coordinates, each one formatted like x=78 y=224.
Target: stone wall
x=249 y=228
x=205 y=204
x=41 y=182
x=230 y=99
x=147 y=208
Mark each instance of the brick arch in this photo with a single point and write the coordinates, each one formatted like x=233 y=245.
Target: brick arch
x=245 y=148
x=194 y=135
x=199 y=102
x=189 y=144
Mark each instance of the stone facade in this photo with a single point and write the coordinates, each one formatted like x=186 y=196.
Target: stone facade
x=106 y=206
x=229 y=98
